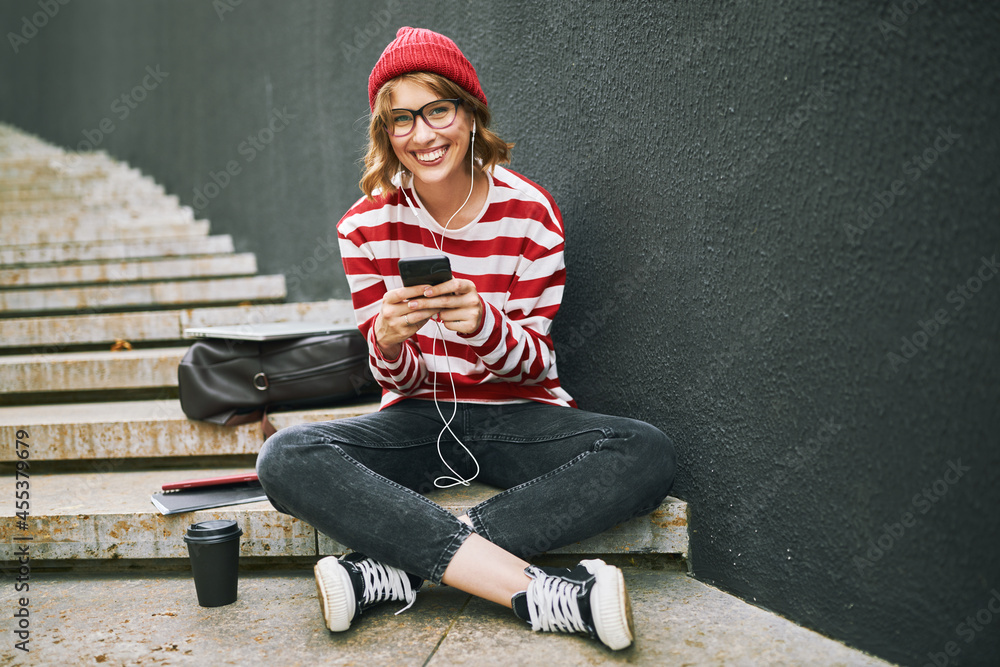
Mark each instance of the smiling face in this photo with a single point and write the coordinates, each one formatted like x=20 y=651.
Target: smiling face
x=436 y=158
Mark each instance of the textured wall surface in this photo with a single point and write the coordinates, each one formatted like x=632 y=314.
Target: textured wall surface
x=783 y=224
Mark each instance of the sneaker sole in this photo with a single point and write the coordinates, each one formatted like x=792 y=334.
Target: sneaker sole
x=612 y=609
x=336 y=593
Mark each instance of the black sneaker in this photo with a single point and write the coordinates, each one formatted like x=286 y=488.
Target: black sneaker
x=354 y=582
x=590 y=598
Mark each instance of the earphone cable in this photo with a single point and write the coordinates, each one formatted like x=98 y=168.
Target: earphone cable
x=457 y=479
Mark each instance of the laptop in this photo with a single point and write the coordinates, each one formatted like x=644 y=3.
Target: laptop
x=268 y=330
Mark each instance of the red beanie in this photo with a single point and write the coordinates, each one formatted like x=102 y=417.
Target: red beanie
x=419 y=50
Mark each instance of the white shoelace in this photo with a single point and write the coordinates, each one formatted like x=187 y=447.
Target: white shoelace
x=384 y=583
x=553 y=605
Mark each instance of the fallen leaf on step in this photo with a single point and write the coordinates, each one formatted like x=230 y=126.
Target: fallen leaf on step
x=121 y=344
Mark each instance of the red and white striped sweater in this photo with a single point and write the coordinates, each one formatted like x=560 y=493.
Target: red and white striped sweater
x=512 y=251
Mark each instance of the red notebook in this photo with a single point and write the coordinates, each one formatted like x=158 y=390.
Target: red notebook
x=211 y=481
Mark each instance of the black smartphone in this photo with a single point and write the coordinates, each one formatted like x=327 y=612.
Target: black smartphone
x=430 y=270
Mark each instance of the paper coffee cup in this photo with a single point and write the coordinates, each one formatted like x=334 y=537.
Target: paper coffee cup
x=214 y=548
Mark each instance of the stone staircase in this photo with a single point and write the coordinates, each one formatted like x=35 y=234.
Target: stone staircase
x=100 y=273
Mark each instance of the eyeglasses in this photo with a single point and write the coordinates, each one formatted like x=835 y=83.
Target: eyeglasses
x=438 y=115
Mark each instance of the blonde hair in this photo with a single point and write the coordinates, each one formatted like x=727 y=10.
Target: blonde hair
x=380 y=160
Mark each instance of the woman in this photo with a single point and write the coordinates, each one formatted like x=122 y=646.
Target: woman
x=477 y=349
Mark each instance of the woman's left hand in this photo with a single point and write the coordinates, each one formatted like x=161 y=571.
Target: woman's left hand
x=461 y=309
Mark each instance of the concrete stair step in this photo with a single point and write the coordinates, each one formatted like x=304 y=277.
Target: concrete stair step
x=72 y=191
x=88 y=371
x=62 y=206
x=155 y=429
x=59 y=168
x=147 y=617
x=96 y=193
x=28 y=145
x=119 y=216
x=131 y=271
x=76 y=216
x=108 y=515
x=55 y=334
x=93 y=192
x=139 y=229
x=61 y=163
x=91 y=251
x=21 y=155
x=63 y=178
x=17 y=144
x=76 y=184
x=112 y=173
x=57 y=163
x=152 y=295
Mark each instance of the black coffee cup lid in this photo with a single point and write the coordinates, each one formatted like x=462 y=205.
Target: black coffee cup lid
x=215 y=530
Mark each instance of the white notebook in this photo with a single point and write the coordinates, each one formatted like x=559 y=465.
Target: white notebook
x=267 y=330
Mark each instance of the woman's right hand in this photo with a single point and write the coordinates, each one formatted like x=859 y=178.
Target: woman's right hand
x=397 y=321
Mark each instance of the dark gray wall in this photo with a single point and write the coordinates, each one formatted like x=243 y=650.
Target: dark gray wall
x=713 y=162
